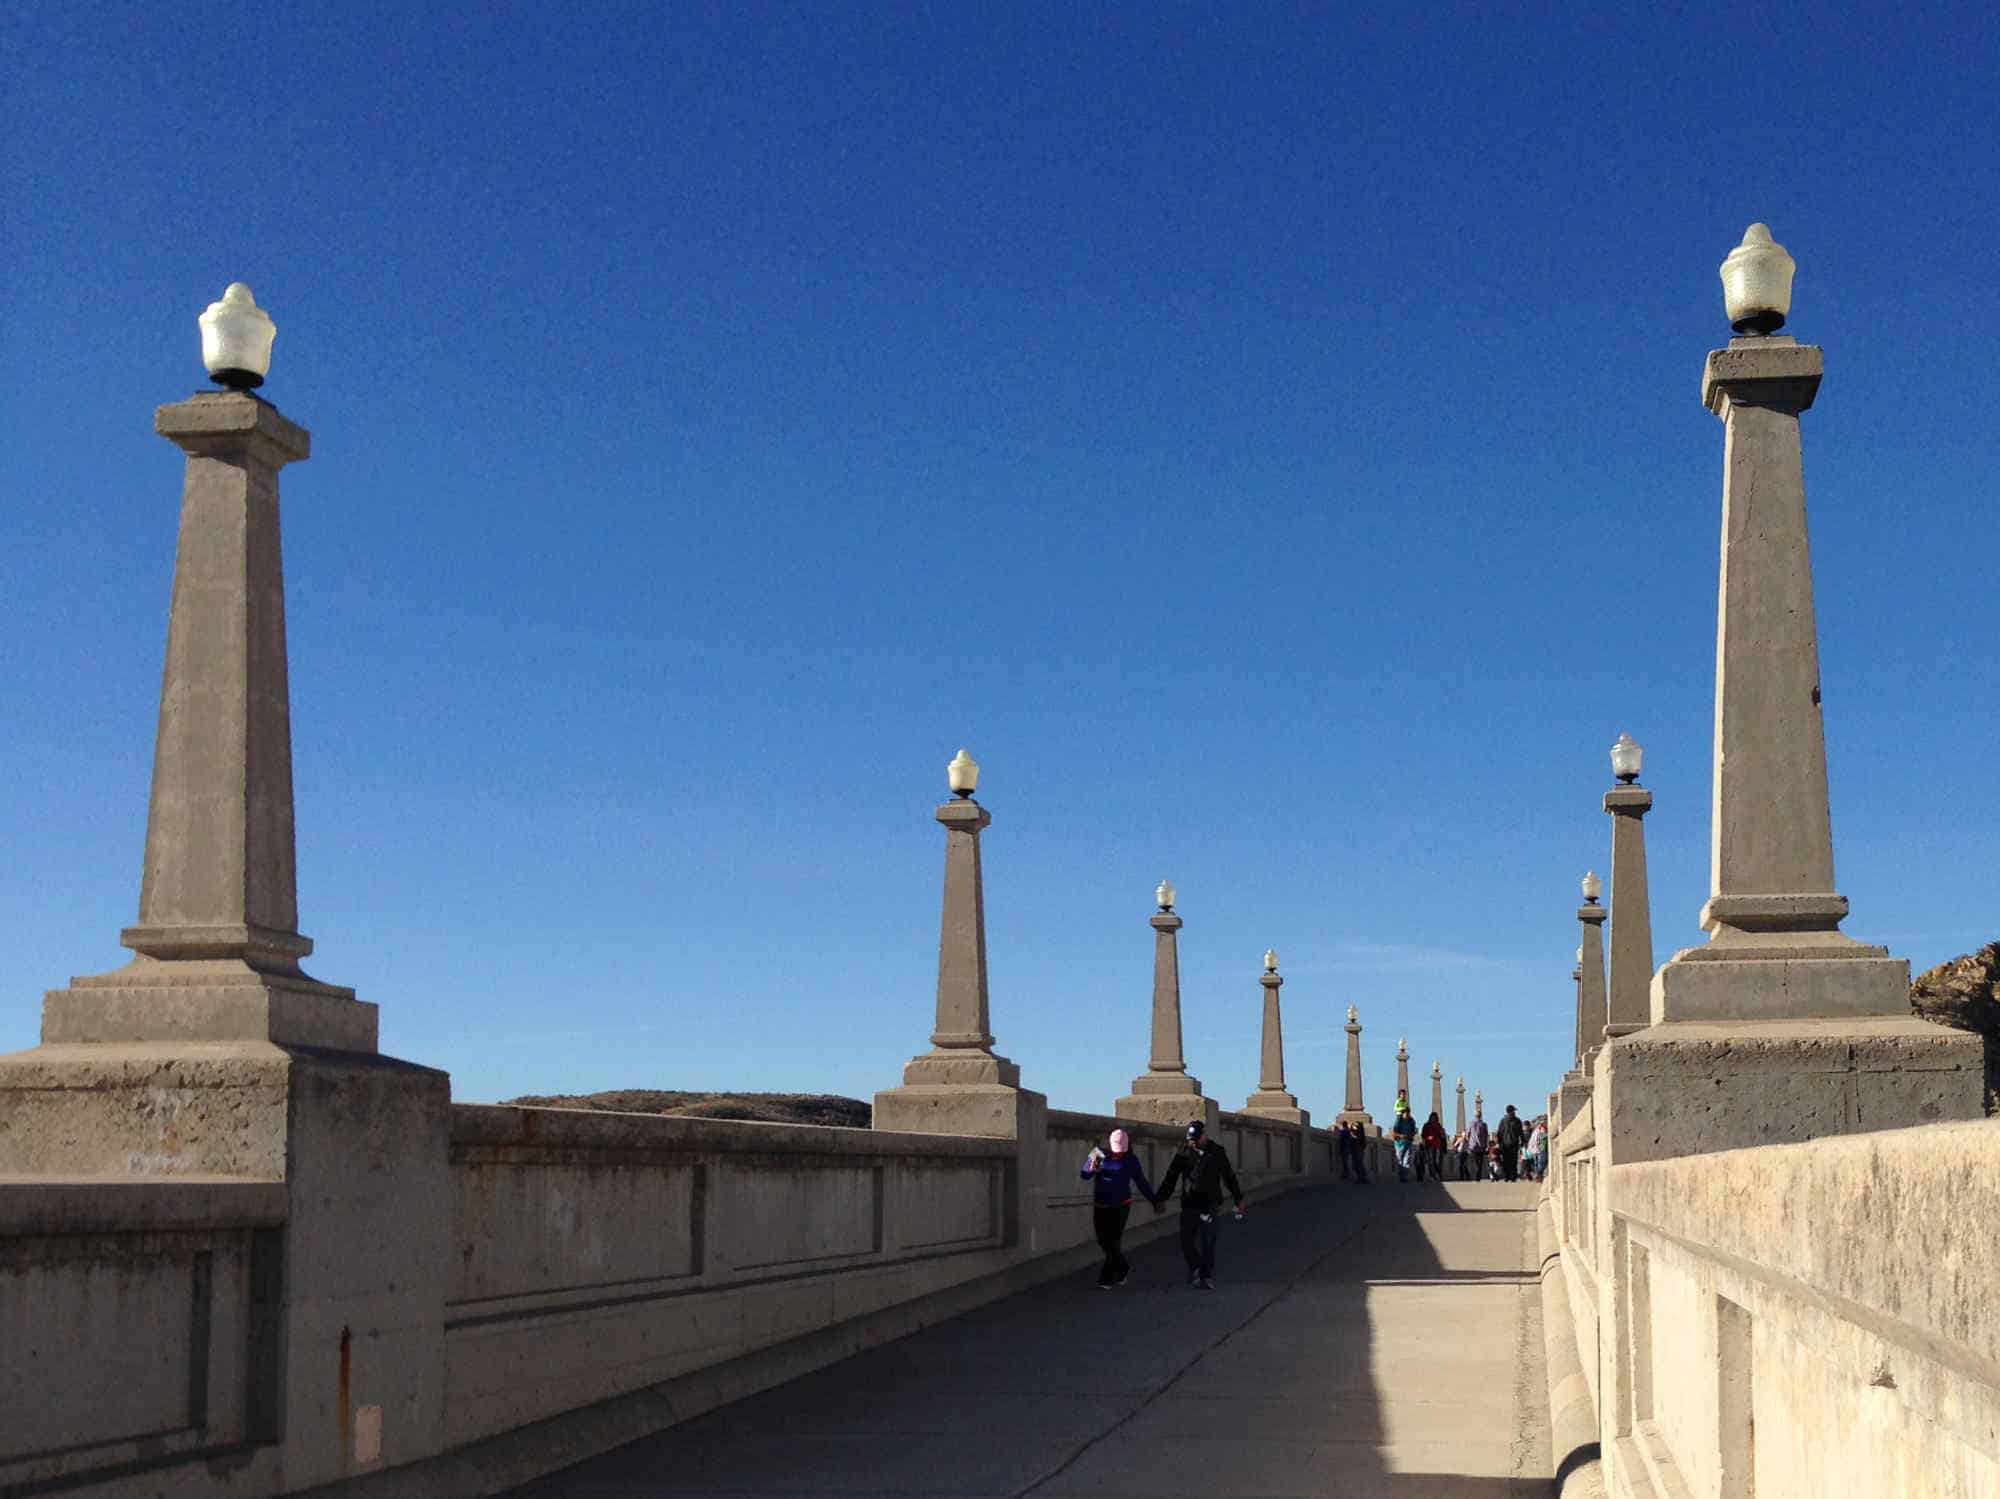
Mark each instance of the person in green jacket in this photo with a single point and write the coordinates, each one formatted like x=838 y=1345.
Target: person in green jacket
x=1404 y=1133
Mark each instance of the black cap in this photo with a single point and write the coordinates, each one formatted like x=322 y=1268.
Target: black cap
x=1196 y=1130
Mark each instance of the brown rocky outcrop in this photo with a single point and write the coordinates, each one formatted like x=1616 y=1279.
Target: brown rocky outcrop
x=1965 y=994
x=761 y=1108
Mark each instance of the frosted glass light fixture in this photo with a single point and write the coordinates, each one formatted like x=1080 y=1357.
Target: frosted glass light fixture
x=1757 y=282
x=1592 y=887
x=1165 y=895
x=1270 y=960
x=1626 y=756
x=236 y=337
x=963 y=773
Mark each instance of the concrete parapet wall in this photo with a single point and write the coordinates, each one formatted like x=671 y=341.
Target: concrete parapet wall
x=1811 y=1319
x=592 y=1262
x=594 y=1254
x=137 y=1324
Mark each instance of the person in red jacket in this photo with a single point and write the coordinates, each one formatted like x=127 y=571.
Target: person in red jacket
x=1432 y=1141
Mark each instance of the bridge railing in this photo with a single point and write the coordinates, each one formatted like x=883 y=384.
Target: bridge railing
x=1816 y=1318
x=137 y=1322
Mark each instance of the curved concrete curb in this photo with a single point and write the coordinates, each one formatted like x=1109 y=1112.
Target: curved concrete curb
x=1579 y=1474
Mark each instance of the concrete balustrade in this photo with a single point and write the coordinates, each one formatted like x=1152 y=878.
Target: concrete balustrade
x=1792 y=1319
x=137 y=1324
x=603 y=1275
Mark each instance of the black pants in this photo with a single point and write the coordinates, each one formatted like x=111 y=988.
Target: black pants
x=1510 y=1162
x=1198 y=1242
x=1110 y=1224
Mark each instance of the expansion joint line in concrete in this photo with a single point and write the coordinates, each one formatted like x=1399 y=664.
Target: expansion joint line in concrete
x=1181 y=1373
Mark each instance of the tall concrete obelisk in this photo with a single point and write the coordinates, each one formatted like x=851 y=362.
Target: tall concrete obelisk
x=1437 y=1090
x=1402 y=1067
x=1628 y=1005
x=1458 y=1123
x=961 y=1086
x=1355 y=1111
x=1775 y=959
x=1271 y=1100
x=1592 y=1004
x=211 y=1056
x=1165 y=1093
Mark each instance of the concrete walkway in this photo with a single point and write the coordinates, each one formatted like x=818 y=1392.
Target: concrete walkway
x=1380 y=1341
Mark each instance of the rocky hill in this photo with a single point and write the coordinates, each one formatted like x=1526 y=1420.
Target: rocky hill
x=763 y=1108
x=1965 y=993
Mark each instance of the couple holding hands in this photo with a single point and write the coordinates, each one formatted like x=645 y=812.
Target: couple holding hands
x=1200 y=1169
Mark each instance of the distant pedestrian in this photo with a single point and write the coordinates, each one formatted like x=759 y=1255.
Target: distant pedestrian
x=1538 y=1150
x=1357 y=1152
x=1480 y=1139
x=1201 y=1169
x=1342 y=1145
x=1115 y=1177
x=1432 y=1140
x=1509 y=1137
x=1404 y=1133
x=1461 y=1149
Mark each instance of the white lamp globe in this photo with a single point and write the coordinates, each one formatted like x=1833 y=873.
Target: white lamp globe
x=1757 y=282
x=1165 y=895
x=1593 y=887
x=1626 y=756
x=963 y=774
x=236 y=336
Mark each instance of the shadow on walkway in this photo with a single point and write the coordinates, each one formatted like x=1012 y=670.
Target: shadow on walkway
x=1371 y=1341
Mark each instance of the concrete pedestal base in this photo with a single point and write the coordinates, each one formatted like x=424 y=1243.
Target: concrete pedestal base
x=1277 y=1105
x=992 y=1110
x=218 y=999
x=953 y=1067
x=1779 y=974
x=1683 y=1088
x=1572 y=1098
x=1176 y=1109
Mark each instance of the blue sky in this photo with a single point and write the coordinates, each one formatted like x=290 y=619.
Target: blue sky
x=1269 y=437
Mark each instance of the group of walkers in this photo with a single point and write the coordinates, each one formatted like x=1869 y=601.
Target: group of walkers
x=1514 y=1150
x=1200 y=1169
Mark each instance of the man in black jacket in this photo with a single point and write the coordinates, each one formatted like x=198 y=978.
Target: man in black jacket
x=1510 y=1135
x=1201 y=1170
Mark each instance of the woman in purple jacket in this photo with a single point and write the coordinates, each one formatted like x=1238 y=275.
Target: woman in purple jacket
x=1116 y=1176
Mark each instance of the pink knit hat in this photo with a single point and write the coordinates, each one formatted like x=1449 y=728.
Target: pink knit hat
x=1120 y=1142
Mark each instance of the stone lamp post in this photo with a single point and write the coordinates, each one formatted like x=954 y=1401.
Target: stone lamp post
x=1576 y=983
x=211 y=1056
x=1437 y=1090
x=1591 y=1005
x=961 y=1086
x=1271 y=1100
x=1458 y=1125
x=1354 y=1112
x=1628 y=1004
x=1402 y=1067
x=1165 y=1093
x=1786 y=1028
